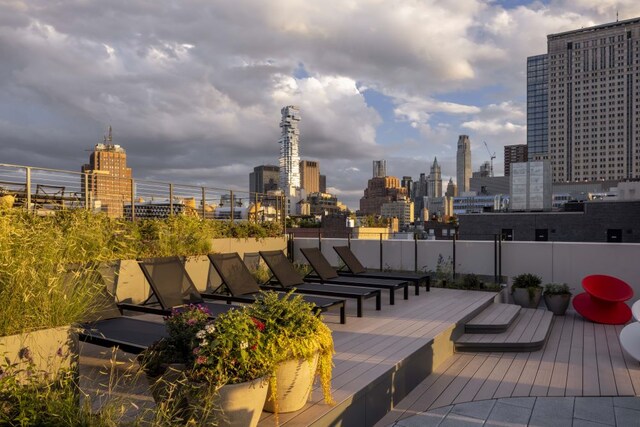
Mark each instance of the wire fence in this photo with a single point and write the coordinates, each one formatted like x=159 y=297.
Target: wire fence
x=44 y=191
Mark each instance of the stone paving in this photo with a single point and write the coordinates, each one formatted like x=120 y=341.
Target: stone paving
x=533 y=411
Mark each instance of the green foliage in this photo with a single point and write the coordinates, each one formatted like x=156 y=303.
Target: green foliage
x=374 y=221
x=444 y=270
x=471 y=281
x=557 y=289
x=262 y=274
x=182 y=327
x=526 y=280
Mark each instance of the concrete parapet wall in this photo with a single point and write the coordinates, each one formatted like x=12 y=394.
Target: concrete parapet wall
x=560 y=262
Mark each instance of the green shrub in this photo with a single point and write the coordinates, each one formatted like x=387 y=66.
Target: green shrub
x=527 y=280
x=557 y=289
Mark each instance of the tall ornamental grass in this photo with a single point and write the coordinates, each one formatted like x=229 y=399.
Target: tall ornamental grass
x=37 y=289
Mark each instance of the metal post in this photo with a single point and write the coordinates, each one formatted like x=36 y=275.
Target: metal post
x=349 y=239
x=86 y=190
x=232 y=211
x=454 y=257
x=500 y=257
x=495 y=258
x=133 y=205
x=204 y=200
x=28 y=187
x=255 y=206
x=381 y=252
x=170 y=199
x=320 y=240
x=415 y=252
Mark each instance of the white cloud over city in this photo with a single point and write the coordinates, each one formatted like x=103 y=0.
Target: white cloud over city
x=193 y=89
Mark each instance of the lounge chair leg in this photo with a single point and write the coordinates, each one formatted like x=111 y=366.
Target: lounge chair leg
x=406 y=291
x=379 y=301
x=392 y=296
x=343 y=315
x=417 y=287
x=428 y=284
x=359 y=307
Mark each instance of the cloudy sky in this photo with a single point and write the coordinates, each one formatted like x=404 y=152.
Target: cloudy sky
x=193 y=88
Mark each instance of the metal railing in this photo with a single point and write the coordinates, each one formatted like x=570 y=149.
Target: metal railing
x=42 y=191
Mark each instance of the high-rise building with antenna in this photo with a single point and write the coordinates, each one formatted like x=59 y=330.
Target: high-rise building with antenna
x=289 y=154
x=108 y=179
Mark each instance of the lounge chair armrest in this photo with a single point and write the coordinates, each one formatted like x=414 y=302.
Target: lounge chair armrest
x=141 y=308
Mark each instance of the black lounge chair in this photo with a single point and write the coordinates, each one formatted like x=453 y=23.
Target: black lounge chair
x=357 y=269
x=288 y=278
x=327 y=274
x=107 y=327
x=173 y=288
x=242 y=286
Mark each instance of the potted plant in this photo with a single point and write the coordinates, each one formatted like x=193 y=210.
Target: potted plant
x=214 y=370
x=165 y=361
x=526 y=290
x=232 y=368
x=557 y=297
x=300 y=344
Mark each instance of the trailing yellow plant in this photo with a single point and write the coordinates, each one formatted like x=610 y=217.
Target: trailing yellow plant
x=294 y=331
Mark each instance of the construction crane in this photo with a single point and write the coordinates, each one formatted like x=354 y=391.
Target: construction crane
x=492 y=156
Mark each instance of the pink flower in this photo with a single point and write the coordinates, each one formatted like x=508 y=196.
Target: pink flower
x=191 y=322
x=201 y=360
x=196 y=350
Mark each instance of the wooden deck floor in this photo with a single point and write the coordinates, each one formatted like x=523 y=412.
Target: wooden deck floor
x=379 y=358
x=580 y=359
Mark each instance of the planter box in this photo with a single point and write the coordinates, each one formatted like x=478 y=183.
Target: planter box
x=48 y=349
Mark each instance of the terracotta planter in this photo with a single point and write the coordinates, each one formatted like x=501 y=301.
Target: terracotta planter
x=523 y=299
x=558 y=304
x=294 y=379
x=241 y=404
x=46 y=350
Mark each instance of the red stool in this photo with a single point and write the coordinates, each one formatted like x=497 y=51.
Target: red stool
x=603 y=300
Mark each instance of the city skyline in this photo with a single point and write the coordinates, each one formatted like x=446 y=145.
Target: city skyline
x=193 y=91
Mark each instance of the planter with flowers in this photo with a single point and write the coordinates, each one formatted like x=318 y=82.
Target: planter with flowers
x=211 y=371
x=557 y=297
x=300 y=344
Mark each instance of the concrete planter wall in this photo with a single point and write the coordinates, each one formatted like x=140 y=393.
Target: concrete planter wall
x=48 y=349
x=132 y=287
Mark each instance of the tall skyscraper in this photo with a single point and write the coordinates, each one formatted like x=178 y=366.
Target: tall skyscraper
x=108 y=177
x=593 y=100
x=407 y=182
x=435 y=180
x=514 y=154
x=310 y=176
x=264 y=178
x=463 y=163
x=379 y=168
x=323 y=183
x=289 y=157
x=537 y=107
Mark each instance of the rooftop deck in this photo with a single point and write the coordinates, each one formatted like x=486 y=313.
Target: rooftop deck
x=400 y=361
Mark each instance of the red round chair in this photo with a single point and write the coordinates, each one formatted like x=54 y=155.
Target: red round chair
x=603 y=300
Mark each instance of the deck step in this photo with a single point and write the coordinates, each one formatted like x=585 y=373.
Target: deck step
x=493 y=320
x=528 y=332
